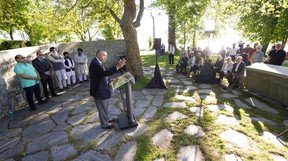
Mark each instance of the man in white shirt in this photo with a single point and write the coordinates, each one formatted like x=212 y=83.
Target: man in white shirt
x=82 y=70
x=233 y=52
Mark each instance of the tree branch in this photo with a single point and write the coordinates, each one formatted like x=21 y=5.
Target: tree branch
x=70 y=9
x=137 y=23
x=113 y=14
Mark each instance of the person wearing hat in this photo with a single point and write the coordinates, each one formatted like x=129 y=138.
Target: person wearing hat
x=82 y=70
x=70 y=69
x=58 y=66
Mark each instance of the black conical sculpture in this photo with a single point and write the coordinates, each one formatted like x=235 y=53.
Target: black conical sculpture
x=157 y=80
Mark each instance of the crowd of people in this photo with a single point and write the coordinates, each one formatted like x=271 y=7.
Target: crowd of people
x=231 y=62
x=64 y=68
x=41 y=71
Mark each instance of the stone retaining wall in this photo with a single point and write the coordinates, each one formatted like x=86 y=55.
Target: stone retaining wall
x=269 y=81
x=13 y=96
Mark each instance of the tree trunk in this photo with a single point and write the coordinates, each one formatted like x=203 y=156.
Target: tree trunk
x=11 y=33
x=171 y=31
x=284 y=41
x=184 y=38
x=194 y=39
x=265 y=44
x=134 y=65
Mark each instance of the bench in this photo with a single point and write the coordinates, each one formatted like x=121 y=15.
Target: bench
x=268 y=80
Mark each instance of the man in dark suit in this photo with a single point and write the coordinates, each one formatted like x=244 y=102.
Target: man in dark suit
x=43 y=67
x=99 y=85
x=237 y=73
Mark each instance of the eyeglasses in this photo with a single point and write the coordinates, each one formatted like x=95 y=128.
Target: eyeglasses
x=22 y=58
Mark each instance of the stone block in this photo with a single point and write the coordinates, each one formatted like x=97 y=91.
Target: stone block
x=269 y=81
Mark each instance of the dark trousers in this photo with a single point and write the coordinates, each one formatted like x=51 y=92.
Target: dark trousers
x=221 y=74
x=29 y=95
x=51 y=87
x=195 y=69
x=171 y=58
x=234 y=79
x=233 y=57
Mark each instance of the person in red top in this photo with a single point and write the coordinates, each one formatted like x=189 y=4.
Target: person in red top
x=252 y=51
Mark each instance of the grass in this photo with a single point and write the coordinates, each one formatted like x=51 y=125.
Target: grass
x=212 y=146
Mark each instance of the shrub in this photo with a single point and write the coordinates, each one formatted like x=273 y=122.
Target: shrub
x=13 y=44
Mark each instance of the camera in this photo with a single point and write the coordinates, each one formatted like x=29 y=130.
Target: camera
x=241 y=44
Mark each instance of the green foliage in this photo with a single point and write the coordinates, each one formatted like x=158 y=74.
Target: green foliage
x=263 y=21
x=150 y=43
x=57 y=21
x=141 y=83
x=184 y=16
x=13 y=15
x=13 y=44
x=145 y=149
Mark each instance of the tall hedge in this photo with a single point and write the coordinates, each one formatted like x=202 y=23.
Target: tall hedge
x=13 y=44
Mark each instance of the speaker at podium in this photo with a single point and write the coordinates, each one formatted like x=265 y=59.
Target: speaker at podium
x=123 y=83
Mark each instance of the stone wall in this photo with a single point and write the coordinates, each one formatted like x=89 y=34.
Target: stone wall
x=269 y=81
x=11 y=93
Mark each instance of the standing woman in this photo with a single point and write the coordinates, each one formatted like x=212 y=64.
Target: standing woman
x=171 y=51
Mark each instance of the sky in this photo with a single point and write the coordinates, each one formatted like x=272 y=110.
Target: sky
x=146 y=29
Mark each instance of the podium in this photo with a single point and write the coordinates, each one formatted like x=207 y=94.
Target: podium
x=126 y=119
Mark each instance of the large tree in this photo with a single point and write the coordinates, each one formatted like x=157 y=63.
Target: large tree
x=183 y=17
x=13 y=15
x=263 y=21
x=128 y=26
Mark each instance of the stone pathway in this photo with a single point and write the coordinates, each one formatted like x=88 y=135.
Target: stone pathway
x=68 y=127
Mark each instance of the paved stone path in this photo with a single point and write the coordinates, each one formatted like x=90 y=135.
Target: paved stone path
x=68 y=128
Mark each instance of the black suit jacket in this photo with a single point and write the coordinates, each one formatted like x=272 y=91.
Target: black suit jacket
x=99 y=85
x=41 y=67
x=241 y=68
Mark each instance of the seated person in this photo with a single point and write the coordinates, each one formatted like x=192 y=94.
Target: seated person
x=217 y=66
x=178 y=65
x=237 y=73
x=191 y=62
x=198 y=64
x=206 y=74
x=184 y=63
x=226 y=68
